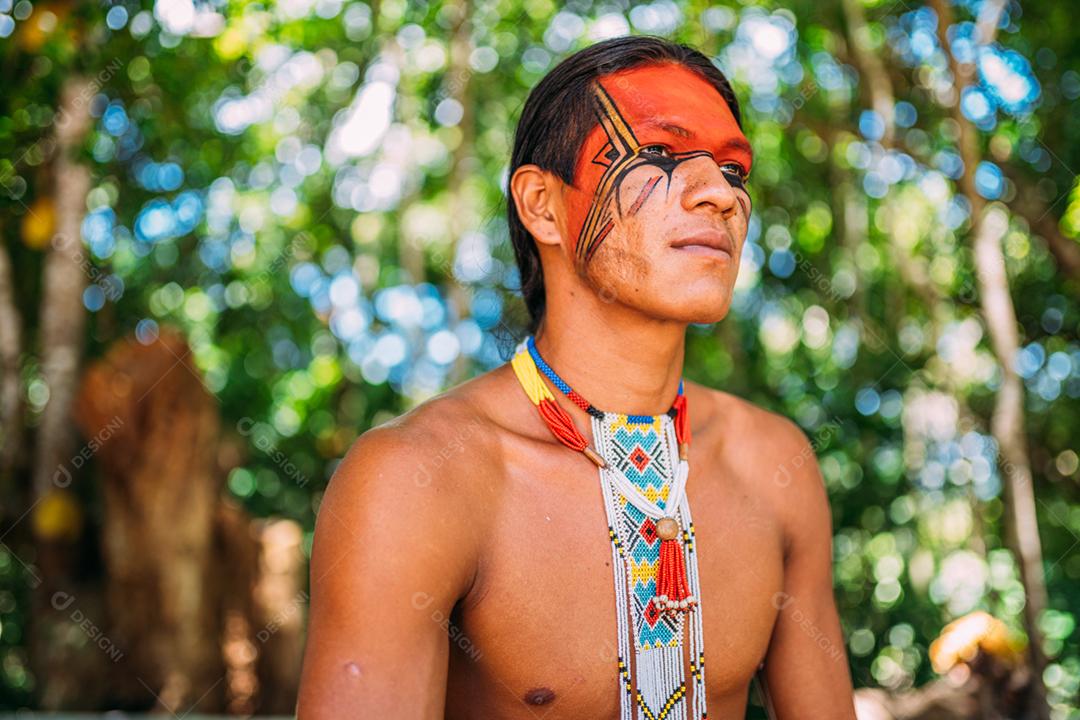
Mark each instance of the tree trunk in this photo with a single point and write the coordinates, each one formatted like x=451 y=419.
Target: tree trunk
x=280 y=603
x=62 y=314
x=51 y=509
x=11 y=347
x=988 y=227
x=463 y=162
x=160 y=487
x=207 y=604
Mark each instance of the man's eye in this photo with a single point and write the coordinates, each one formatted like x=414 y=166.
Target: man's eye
x=656 y=150
x=737 y=171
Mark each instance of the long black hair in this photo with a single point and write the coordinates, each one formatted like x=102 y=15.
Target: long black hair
x=557 y=116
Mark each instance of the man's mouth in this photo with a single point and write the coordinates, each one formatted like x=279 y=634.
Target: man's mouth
x=709 y=243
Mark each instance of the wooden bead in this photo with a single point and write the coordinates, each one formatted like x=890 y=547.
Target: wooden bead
x=667 y=528
x=592 y=455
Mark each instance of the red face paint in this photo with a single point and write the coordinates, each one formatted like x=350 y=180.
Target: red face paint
x=620 y=166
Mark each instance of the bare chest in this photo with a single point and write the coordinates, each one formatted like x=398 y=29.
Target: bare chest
x=537 y=637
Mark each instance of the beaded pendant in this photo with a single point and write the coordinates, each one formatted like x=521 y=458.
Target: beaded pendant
x=642 y=462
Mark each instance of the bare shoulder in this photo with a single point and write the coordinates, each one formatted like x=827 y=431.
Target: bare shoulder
x=775 y=455
x=757 y=431
x=435 y=446
x=389 y=543
x=412 y=478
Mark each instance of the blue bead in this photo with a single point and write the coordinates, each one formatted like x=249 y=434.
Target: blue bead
x=558 y=382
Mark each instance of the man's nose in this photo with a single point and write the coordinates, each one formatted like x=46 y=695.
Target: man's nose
x=705 y=185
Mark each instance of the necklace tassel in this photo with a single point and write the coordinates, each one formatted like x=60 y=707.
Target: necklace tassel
x=562 y=426
x=672 y=587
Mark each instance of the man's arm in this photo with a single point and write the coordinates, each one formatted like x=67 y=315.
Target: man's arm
x=393 y=551
x=806 y=667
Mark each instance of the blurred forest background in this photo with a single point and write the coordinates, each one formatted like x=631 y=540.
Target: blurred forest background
x=237 y=234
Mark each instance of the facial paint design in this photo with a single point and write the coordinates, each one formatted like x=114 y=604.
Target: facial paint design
x=652 y=119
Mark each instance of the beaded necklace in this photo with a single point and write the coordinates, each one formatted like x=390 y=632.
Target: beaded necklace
x=642 y=461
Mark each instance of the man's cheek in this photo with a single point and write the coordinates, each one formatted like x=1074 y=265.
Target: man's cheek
x=619 y=269
x=639 y=191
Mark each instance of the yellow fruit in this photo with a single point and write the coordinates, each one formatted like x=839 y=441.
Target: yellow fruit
x=962 y=639
x=39 y=223
x=57 y=516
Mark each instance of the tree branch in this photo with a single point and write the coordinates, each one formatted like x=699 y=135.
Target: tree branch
x=988 y=227
x=1041 y=220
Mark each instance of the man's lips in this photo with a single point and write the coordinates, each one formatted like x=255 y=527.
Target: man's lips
x=709 y=242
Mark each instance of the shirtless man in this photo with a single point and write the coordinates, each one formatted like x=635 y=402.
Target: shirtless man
x=461 y=565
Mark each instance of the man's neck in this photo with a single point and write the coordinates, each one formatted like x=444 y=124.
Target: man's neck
x=619 y=361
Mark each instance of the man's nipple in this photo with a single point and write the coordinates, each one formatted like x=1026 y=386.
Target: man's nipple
x=539 y=696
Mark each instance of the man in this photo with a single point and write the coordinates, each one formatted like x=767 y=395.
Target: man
x=461 y=565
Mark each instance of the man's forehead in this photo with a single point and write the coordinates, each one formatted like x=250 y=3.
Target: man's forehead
x=665 y=92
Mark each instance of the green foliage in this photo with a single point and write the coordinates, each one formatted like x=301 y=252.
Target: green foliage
x=301 y=186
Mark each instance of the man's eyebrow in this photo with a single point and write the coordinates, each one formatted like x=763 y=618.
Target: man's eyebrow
x=670 y=127
x=736 y=143
x=676 y=129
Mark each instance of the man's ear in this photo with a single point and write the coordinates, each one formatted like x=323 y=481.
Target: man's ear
x=539 y=203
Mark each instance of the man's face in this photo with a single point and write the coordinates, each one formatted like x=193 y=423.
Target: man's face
x=664 y=165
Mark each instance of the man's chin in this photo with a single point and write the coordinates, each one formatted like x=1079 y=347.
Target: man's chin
x=707 y=302
x=710 y=317
x=700 y=310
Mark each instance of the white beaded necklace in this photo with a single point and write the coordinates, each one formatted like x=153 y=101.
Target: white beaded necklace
x=643 y=472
